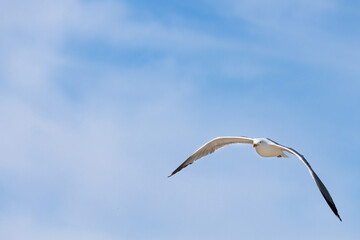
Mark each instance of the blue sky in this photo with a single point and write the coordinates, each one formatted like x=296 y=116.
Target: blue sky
x=101 y=100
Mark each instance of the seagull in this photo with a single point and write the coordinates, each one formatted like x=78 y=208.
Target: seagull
x=265 y=147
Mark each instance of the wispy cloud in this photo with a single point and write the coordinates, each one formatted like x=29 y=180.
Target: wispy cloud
x=300 y=31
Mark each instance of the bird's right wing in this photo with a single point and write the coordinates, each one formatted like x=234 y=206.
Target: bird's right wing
x=211 y=147
x=317 y=180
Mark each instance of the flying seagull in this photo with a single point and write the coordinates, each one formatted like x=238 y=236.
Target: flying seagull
x=265 y=147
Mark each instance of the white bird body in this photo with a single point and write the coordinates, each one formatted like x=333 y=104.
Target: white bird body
x=265 y=148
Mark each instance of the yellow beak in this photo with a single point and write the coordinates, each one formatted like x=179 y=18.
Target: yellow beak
x=254 y=145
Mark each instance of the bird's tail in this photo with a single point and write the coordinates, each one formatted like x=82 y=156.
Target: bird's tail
x=284 y=155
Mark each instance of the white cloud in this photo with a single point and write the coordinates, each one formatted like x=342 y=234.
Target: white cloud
x=276 y=14
x=35 y=34
x=298 y=31
x=20 y=226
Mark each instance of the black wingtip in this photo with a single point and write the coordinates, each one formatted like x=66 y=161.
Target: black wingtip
x=171 y=174
x=333 y=208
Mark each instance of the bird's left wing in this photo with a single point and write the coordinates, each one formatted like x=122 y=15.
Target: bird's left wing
x=211 y=147
x=317 y=180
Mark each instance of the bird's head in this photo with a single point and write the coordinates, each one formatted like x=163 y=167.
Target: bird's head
x=257 y=142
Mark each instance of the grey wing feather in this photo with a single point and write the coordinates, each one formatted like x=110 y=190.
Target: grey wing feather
x=211 y=147
x=317 y=180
